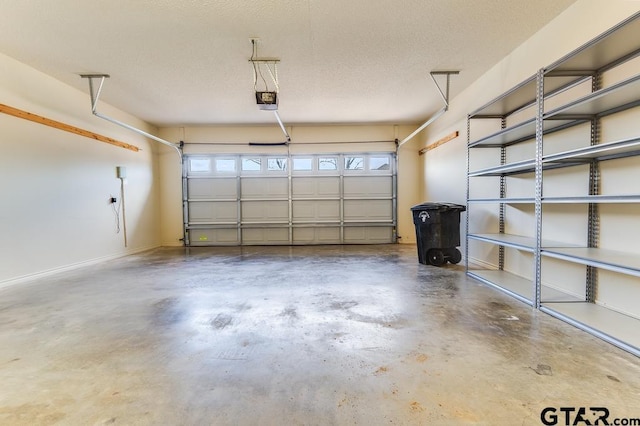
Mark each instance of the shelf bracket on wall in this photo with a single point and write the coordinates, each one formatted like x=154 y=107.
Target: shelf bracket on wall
x=445 y=97
x=95 y=96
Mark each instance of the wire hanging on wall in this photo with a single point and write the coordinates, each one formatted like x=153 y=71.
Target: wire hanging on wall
x=124 y=217
x=116 y=212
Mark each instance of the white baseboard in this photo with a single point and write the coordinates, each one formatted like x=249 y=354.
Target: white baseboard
x=71 y=267
x=172 y=244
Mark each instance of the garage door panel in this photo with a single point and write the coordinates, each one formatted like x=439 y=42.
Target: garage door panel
x=257 y=236
x=366 y=210
x=315 y=187
x=326 y=210
x=213 y=211
x=319 y=235
x=372 y=186
x=265 y=187
x=207 y=237
x=368 y=235
x=265 y=211
x=212 y=188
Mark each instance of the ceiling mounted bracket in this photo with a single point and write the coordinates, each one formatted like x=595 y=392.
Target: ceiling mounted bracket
x=445 y=98
x=445 y=94
x=95 y=97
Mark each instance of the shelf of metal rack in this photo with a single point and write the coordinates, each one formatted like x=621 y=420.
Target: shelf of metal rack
x=616 y=98
x=523 y=200
x=516 y=241
x=516 y=286
x=523 y=132
x=612 y=260
x=616 y=328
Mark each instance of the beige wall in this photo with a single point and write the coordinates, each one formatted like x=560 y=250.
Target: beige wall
x=55 y=185
x=303 y=141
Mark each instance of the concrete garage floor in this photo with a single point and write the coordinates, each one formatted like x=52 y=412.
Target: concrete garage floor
x=293 y=335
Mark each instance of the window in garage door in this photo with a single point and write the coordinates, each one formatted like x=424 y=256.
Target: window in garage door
x=297 y=199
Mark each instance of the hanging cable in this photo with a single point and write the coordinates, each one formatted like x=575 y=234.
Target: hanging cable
x=124 y=217
x=116 y=213
x=256 y=63
x=255 y=70
x=274 y=75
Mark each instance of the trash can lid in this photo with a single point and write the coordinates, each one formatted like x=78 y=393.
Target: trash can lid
x=438 y=206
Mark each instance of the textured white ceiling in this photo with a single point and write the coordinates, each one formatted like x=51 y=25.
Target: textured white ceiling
x=185 y=62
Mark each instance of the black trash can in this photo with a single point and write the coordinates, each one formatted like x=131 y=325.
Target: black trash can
x=437 y=232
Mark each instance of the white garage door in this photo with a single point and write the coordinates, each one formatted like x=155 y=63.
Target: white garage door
x=289 y=199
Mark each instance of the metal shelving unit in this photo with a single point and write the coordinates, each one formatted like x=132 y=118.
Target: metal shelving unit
x=605 y=53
